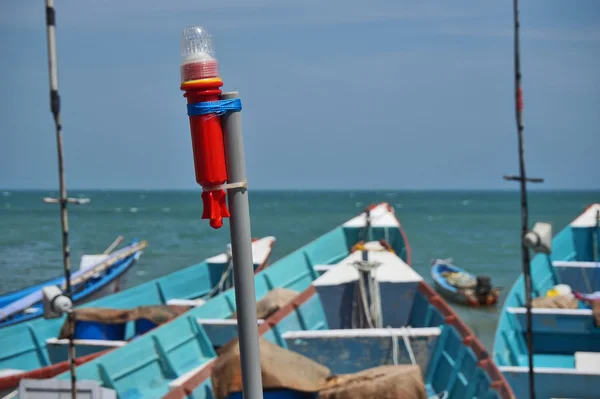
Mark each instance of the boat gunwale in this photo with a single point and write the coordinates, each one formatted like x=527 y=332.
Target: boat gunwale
x=470 y=340
x=52 y=370
x=548 y=370
x=86 y=294
x=512 y=292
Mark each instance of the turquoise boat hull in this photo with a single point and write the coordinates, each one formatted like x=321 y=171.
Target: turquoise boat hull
x=160 y=361
x=418 y=328
x=563 y=338
x=104 y=284
x=443 y=287
x=28 y=349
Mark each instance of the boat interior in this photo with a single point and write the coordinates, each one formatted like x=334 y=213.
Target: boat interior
x=38 y=343
x=168 y=356
x=414 y=327
x=566 y=342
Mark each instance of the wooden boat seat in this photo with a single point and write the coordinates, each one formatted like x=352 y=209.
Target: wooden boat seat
x=557 y=321
x=587 y=361
x=186 y=302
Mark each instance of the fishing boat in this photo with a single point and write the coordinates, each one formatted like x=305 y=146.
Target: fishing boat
x=36 y=349
x=98 y=276
x=184 y=344
x=566 y=331
x=462 y=287
x=368 y=327
x=175 y=359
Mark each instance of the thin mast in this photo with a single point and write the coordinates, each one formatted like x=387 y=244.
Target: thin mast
x=522 y=178
x=55 y=108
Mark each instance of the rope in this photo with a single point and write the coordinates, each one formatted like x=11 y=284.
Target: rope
x=365 y=314
x=224 y=282
x=218 y=108
x=405 y=338
x=227 y=186
x=395 y=348
x=586 y=279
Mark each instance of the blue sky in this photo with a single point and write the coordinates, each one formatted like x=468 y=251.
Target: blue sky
x=336 y=94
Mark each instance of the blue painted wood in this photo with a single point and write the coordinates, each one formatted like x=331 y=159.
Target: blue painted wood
x=559 y=323
x=135 y=370
x=575 y=277
x=141 y=377
x=22 y=352
x=397 y=302
x=220 y=334
x=555 y=385
x=340 y=297
x=557 y=336
x=83 y=292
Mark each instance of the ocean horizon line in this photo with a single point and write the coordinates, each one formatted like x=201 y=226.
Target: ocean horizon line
x=316 y=190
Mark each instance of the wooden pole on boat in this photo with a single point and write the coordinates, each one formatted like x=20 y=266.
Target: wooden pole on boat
x=241 y=246
x=63 y=200
x=522 y=178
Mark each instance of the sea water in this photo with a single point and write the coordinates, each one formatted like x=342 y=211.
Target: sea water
x=479 y=230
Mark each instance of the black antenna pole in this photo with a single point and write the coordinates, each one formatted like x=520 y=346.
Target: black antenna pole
x=522 y=179
x=63 y=200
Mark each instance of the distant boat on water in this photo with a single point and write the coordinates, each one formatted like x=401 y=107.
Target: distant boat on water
x=463 y=287
x=98 y=276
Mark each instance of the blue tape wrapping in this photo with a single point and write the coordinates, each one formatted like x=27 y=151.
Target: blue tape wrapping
x=214 y=107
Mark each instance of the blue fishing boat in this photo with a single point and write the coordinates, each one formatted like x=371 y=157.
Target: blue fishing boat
x=35 y=349
x=137 y=369
x=463 y=287
x=409 y=344
x=566 y=331
x=98 y=276
x=175 y=359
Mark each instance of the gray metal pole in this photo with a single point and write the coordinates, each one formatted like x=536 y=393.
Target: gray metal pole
x=241 y=246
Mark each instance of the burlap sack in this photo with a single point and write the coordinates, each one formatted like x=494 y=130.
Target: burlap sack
x=384 y=382
x=158 y=314
x=280 y=368
x=284 y=369
x=555 y=302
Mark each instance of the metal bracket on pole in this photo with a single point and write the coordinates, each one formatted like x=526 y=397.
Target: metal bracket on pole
x=519 y=178
x=241 y=246
x=76 y=201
